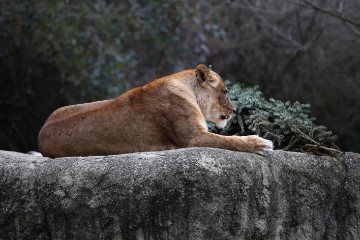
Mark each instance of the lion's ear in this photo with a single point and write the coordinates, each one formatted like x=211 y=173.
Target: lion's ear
x=202 y=73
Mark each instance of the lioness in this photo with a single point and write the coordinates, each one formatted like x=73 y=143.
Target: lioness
x=167 y=113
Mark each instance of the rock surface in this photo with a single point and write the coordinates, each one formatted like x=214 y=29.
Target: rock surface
x=197 y=193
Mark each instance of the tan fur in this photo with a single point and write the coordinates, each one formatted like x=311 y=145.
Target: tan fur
x=167 y=113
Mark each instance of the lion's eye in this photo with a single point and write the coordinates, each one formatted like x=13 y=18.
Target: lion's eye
x=225 y=92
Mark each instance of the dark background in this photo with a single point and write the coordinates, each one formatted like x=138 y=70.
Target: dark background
x=56 y=53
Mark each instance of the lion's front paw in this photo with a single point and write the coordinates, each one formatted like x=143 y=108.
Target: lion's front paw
x=257 y=144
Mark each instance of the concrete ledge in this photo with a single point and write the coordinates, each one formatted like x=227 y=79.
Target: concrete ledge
x=197 y=193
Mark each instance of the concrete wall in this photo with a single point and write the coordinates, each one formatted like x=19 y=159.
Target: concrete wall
x=198 y=193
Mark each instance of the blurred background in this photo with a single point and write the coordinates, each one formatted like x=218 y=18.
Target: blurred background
x=56 y=53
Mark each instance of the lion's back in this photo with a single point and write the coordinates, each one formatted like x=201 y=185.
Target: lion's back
x=141 y=119
x=71 y=111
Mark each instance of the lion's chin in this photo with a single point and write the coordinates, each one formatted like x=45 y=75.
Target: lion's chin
x=221 y=123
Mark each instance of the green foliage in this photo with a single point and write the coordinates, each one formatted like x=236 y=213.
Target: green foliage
x=287 y=124
x=76 y=42
x=154 y=30
x=56 y=53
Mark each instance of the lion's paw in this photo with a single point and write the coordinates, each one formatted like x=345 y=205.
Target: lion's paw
x=258 y=144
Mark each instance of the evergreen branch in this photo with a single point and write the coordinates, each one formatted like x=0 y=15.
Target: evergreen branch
x=287 y=125
x=321 y=147
x=302 y=134
x=240 y=122
x=333 y=145
x=293 y=141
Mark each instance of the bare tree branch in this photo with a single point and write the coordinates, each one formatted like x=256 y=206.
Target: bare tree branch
x=332 y=13
x=341 y=4
x=355 y=30
x=286 y=37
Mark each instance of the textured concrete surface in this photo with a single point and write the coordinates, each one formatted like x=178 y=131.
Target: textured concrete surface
x=198 y=193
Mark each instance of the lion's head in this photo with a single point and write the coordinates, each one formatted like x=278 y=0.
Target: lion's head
x=211 y=94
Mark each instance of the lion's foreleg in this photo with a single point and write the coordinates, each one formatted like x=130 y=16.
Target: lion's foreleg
x=251 y=143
